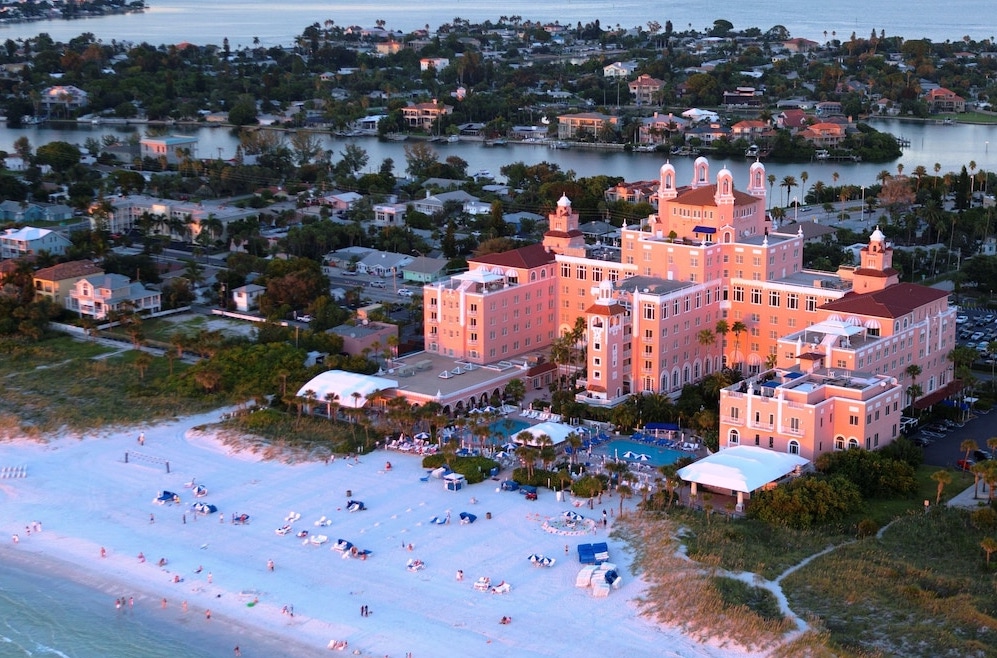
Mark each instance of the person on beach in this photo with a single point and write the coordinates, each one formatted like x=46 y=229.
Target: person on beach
x=141 y=557
x=460 y=574
x=198 y=569
x=207 y=615
x=221 y=518
x=209 y=577
x=269 y=565
x=15 y=538
x=237 y=652
x=141 y=438
x=131 y=601
x=103 y=552
x=183 y=606
x=185 y=519
x=152 y=518
x=164 y=603
x=505 y=620
x=117 y=604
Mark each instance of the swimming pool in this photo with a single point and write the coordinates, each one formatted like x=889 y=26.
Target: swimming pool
x=507 y=427
x=657 y=456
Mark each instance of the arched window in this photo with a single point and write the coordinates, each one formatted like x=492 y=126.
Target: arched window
x=733 y=438
x=533 y=276
x=543 y=273
x=853 y=443
x=839 y=443
x=794 y=447
x=727 y=236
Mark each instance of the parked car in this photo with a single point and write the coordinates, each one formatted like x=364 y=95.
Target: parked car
x=404 y=292
x=981 y=455
x=960 y=319
x=304 y=318
x=989 y=317
x=976 y=336
x=920 y=440
x=377 y=284
x=964 y=464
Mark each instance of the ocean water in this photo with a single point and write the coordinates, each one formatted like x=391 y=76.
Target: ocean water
x=245 y=21
x=51 y=614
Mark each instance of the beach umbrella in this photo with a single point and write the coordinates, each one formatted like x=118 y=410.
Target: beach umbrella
x=536 y=557
x=422 y=435
x=501 y=454
x=644 y=457
x=630 y=454
x=547 y=561
x=509 y=446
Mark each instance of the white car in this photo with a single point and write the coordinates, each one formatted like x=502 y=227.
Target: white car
x=304 y=318
x=404 y=292
x=960 y=319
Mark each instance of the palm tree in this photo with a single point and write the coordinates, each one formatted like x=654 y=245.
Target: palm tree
x=992 y=444
x=913 y=371
x=624 y=491
x=142 y=362
x=737 y=328
x=771 y=180
x=989 y=545
x=942 y=477
x=574 y=441
x=706 y=337
x=788 y=182
x=968 y=446
x=722 y=329
x=803 y=186
x=331 y=400
x=977 y=471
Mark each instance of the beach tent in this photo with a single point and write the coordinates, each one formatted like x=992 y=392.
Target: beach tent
x=741 y=469
x=466 y=518
x=166 y=497
x=558 y=433
x=342 y=545
x=355 y=506
x=205 y=508
x=509 y=485
x=200 y=491
x=454 y=481
x=345 y=385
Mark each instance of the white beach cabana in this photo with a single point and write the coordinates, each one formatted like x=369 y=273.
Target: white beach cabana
x=558 y=432
x=344 y=385
x=741 y=470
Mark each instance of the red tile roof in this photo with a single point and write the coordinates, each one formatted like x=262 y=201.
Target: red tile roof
x=70 y=270
x=704 y=196
x=528 y=257
x=892 y=302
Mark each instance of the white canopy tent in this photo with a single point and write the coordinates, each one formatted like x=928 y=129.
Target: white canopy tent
x=345 y=384
x=558 y=432
x=741 y=469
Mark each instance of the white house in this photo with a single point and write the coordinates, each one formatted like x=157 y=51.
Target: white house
x=97 y=296
x=247 y=297
x=173 y=148
x=619 y=69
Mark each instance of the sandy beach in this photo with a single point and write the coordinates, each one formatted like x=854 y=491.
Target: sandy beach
x=87 y=498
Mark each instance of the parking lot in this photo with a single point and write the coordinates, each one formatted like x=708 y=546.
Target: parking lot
x=942 y=444
x=976 y=328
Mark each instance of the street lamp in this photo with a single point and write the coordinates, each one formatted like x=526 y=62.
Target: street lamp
x=862 y=209
x=796 y=210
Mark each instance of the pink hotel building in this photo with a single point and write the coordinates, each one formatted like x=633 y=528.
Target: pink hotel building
x=651 y=309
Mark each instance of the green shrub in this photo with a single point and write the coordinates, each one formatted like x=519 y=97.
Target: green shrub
x=474 y=469
x=540 y=477
x=736 y=592
x=806 y=502
x=867 y=528
x=877 y=475
x=984 y=519
x=434 y=461
x=589 y=486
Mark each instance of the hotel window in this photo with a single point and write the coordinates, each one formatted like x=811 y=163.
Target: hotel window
x=811 y=303
x=756 y=296
x=738 y=293
x=597 y=361
x=597 y=275
x=853 y=420
x=792 y=301
x=565 y=271
x=773 y=298
x=596 y=374
x=649 y=312
x=581 y=272
x=739 y=259
x=794 y=424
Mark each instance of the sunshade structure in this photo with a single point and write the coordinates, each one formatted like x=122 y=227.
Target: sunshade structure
x=741 y=469
x=558 y=432
x=351 y=388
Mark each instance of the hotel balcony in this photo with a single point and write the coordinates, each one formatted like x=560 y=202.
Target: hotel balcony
x=731 y=420
x=594 y=399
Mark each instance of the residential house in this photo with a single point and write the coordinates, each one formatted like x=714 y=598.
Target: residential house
x=424 y=269
x=389 y=214
x=63 y=98
x=659 y=128
x=826 y=135
x=15 y=243
x=383 y=263
x=247 y=297
x=800 y=45
x=422 y=116
x=175 y=148
x=944 y=100
x=743 y=97
x=434 y=63
x=99 y=295
x=707 y=132
x=22 y=211
x=340 y=202
x=434 y=203
x=791 y=119
x=749 y=129
x=619 y=69
x=828 y=108
x=645 y=89
x=584 y=124
x=643 y=191
x=55 y=283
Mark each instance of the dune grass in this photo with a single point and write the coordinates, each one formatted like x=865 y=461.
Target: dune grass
x=275 y=434
x=60 y=387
